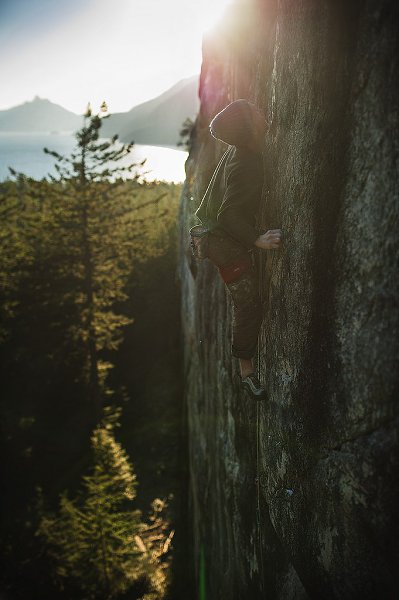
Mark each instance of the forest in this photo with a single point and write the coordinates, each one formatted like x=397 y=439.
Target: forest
x=92 y=438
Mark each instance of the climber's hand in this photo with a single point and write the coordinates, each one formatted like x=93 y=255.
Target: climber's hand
x=269 y=240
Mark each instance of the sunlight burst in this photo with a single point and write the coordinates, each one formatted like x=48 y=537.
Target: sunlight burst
x=212 y=12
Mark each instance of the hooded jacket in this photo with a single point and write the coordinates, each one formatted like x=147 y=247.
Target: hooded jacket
x=232 y=197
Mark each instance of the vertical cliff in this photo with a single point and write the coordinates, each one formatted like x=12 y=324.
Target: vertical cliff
x=321 y=519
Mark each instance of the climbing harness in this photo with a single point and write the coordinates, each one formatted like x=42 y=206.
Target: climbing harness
x=235 y=269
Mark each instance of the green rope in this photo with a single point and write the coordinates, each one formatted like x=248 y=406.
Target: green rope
x=257 y=480
x=202 y=594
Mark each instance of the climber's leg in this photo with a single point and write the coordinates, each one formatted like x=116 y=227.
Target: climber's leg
x=247 y=319
x=237 y=271
x=247 y=316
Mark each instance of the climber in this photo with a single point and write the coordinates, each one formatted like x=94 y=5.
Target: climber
x=228 y=210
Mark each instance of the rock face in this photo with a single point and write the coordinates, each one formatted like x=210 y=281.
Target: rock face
x=321 y=520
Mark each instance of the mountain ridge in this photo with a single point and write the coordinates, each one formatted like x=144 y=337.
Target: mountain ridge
x=144 y=123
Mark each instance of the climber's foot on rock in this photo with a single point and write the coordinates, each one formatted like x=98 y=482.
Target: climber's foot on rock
x=253 y=386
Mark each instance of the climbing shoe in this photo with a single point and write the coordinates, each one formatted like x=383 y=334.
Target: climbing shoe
x=253 y=386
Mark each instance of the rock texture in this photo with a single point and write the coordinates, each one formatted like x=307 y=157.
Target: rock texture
x=321 y=520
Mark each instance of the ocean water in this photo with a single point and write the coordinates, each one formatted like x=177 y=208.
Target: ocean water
x=24 y=152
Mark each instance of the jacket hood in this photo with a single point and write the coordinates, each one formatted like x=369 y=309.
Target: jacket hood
x=234 y=124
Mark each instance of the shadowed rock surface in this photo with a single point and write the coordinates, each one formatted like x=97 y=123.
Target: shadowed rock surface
x=327 y=75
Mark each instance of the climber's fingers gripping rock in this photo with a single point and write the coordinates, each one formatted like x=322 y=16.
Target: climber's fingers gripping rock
x=270 y=240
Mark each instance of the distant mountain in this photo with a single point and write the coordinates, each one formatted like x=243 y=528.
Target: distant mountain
x=38 y=115
x=157 y=121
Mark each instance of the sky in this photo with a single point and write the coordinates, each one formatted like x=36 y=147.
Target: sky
x=121 y=51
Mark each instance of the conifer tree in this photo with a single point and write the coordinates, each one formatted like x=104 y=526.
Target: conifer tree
x=186 y=134
x=83 y=230
x=99 y=540
x=93 y=213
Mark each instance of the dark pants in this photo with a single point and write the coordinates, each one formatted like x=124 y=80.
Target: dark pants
x=244 y=291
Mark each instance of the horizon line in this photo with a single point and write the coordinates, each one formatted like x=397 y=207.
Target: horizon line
x=36 y=96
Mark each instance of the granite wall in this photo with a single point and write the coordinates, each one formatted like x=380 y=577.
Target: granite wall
x=298 y=497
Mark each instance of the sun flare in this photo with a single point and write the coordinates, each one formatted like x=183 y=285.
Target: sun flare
x=212 y=13
x=146 y=46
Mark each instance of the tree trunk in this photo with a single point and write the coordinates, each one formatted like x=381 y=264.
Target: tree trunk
x=91 y=344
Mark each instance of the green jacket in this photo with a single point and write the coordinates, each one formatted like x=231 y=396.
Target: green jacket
x=232 y=197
